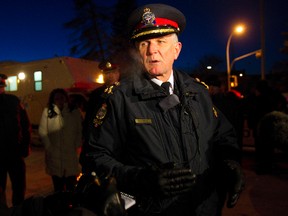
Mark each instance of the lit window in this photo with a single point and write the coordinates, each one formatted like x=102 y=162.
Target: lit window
x=11 y=83
x=38 y=80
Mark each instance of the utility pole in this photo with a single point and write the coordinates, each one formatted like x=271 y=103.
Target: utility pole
x=262 y=29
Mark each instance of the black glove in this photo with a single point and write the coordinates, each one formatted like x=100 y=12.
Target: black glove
x=164 y=182
x=235 y=180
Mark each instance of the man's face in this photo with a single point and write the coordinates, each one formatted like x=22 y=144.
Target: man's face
x=159 y=54
x=111 y=77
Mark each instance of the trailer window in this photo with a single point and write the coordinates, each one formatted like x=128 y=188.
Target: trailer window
x=11 y=84
x=38 y=80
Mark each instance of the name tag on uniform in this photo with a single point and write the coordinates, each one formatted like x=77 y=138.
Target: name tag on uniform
x=143 y=121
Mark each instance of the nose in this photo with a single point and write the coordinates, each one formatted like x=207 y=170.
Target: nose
x=152 y=48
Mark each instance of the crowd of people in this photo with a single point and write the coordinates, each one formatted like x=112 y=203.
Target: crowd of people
x=264 y=109
x=263 y=102
x=62 y=131
x=160 y=137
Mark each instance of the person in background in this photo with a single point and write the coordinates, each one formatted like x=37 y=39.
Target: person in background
x=111 y=72
x=60 y=130
x=229 y=103
x=159 y=134
x=265 y=100
x=79 y=101
x=15 y=135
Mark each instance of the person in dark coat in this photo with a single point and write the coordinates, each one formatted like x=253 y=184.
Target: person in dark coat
x=15 y=135
x=111 y=72
x=265 y=100
x=165 y=143
x=229 y=103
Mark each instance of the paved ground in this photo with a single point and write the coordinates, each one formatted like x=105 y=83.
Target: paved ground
x=265 y=195
x=38 y=182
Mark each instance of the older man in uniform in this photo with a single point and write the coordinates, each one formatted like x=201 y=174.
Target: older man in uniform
x=160 y=135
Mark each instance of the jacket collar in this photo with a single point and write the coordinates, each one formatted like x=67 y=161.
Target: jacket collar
x=147 y=89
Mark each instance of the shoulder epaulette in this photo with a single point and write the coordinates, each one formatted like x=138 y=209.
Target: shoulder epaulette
x=109 y=89
x=201 y=82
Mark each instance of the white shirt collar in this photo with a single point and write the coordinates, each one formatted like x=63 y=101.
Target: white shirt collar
x=171 y=80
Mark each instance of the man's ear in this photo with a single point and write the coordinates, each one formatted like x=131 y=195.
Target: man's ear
x=178 y=47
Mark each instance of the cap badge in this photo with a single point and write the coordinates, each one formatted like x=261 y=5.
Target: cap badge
x=108 y=65
x=148 y=18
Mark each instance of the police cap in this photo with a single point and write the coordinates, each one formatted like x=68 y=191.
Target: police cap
x=154 y=20
x=3 y=77
x=107 y=66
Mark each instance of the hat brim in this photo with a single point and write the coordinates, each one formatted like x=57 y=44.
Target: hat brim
x=153 y=33
x=107 y=71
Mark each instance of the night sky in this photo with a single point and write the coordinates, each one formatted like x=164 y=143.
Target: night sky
x=33 y=30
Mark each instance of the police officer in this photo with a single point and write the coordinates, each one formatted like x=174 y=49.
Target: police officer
x=96 y=104
x=167 y=145
x=14 y=145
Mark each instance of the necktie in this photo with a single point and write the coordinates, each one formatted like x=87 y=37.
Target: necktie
x=166 y=87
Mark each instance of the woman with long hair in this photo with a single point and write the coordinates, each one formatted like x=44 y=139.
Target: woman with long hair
x=60 y=131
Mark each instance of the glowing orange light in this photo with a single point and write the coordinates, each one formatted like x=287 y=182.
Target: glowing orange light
x=239 y=29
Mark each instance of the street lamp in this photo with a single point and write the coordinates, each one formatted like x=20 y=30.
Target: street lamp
x=238 y=30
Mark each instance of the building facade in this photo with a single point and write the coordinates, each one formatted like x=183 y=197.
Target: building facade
x=33 y=81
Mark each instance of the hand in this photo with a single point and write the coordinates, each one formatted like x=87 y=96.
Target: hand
x=236 y=182
x=165 y=182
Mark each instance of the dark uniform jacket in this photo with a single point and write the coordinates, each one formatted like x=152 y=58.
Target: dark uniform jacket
x=96 y=100
x=15 y=128
x=137 y=132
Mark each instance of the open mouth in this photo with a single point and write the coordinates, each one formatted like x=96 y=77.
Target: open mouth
x=153 y=61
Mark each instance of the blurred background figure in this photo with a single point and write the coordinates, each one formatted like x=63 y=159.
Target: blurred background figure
x=15 y=135
x=265 y=100
x=97 y=98
x=230 y=103
x=273 y=134
x=79 y=101
x=60 y=130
